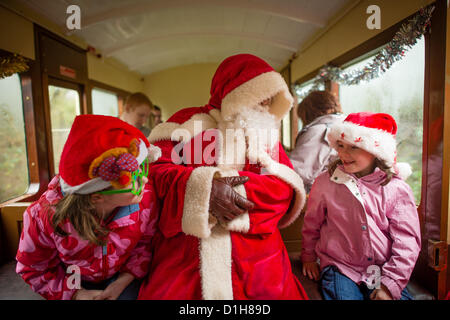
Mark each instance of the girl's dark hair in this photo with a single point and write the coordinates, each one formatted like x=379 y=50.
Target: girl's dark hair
x=316 y=104
x=81 y=213
x=378 y=163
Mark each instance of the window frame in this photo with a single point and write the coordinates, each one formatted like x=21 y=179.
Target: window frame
x=34 y=84
x=30 y=134
x=121 y=94
x=51 y=81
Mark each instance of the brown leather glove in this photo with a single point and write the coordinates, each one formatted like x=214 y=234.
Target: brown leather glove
x=224 y=201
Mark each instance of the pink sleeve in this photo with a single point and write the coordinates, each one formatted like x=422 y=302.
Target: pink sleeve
x=404 y=230
x=37 y=260
x=139 y=260
x=313 y=220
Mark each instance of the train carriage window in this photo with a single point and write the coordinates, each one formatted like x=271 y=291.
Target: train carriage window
x=14 y=175
x=105 y=102
x=399 y=92
x=64 y=107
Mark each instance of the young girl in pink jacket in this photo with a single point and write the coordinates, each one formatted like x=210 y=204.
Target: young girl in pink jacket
x=87 y=237
x=361 y=232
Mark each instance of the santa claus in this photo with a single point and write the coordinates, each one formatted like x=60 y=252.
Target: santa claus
x=226 y=186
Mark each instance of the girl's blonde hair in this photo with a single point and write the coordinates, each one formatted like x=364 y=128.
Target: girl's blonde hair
x=378 y=163
x=81 y=213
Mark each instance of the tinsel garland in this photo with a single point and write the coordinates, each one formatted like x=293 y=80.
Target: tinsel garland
x=403 y=40
x=11 y=64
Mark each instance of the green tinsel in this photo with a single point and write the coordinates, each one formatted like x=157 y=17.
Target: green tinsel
x=402 y=41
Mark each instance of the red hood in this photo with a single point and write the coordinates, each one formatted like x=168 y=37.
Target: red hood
x=244 y=80
x=233 y=72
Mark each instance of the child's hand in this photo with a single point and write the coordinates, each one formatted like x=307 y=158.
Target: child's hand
x=115 y=288
x=84 y=294
x=381 y=294
x=311 y=269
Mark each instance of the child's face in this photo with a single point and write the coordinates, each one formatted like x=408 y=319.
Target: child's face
x=125 y=199
x=354 y=159
x=138 y=116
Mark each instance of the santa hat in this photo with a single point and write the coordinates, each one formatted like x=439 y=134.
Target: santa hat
x=101 y=152
x=374 y=133
x=243 y=81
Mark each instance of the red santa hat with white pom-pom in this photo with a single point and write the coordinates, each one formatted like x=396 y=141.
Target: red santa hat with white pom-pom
x=101 y=152
x=374 y=133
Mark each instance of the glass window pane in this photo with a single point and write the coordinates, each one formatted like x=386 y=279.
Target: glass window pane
x=13 y=158
x=399 y=92
x=64 y=107
x=105 y=103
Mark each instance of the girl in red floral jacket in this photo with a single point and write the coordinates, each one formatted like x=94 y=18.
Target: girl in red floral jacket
x=89 y=234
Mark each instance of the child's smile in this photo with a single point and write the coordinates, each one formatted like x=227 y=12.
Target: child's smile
x=354 y=159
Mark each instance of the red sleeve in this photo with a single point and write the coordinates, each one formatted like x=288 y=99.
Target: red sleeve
x=275 y=189
x=184 y=193
x=138 y=262
x=272 y=198
x=37 y=259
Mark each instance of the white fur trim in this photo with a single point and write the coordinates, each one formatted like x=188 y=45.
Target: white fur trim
x=403 y=170
x=168 y=130
x=215 y=265
x=154 y=153
x=88 y=187
x=196 y=220
x=254 y=91
x=377 y=142
x=241 y=223
x=143 y=152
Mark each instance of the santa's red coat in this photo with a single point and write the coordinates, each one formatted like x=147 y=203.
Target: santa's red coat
x=195 y=256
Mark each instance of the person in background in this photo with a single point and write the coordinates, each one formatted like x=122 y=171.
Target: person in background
x=312 y=152
x=95 y=222
x=156 y=116
x=137 y=111
x=361 y=221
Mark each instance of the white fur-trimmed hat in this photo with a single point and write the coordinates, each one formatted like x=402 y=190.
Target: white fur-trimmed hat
x=374 y=133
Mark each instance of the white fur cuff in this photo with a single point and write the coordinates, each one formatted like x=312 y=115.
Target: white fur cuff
x=196 y=219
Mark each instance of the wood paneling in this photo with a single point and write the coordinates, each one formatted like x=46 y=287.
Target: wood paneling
x=11 y=217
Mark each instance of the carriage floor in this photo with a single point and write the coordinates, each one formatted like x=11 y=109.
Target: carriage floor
x=12 y=287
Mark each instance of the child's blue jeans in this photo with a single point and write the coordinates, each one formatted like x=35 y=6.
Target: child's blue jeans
x=335 y=286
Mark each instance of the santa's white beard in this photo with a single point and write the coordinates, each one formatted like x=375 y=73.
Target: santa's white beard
x=258 y=124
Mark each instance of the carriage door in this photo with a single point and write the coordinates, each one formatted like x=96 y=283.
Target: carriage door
x=64 y=76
